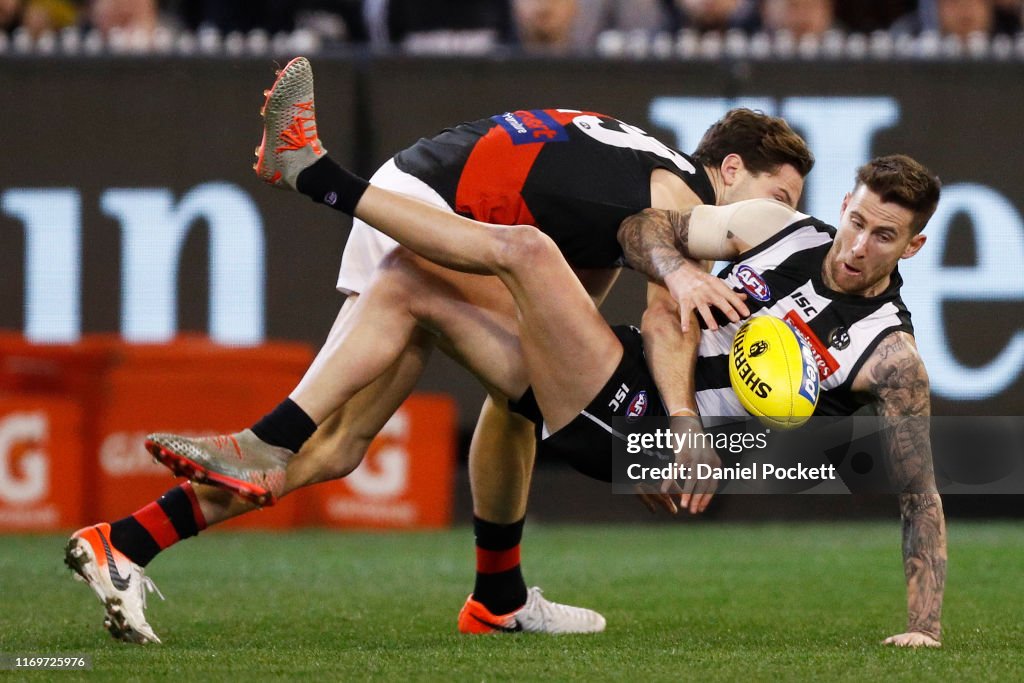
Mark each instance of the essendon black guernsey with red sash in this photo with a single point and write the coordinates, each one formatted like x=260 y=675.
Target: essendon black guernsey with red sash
x=575 y=175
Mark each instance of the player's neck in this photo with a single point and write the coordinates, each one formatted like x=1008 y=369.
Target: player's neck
x=717 y=184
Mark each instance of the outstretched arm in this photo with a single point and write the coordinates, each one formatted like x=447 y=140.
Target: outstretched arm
x=896 y=375
x=672 y=356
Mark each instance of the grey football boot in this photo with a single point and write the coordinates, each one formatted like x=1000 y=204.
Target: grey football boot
x=290 y=141
x=242 y=462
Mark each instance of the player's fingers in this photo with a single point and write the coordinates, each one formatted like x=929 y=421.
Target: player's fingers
x=667 y=503
x=723 y=291
x=647 y=503
x=709 y=318
x=684 y=318
x=737 y=299
x=686 y=498
x=710 y=488
x=728 y=307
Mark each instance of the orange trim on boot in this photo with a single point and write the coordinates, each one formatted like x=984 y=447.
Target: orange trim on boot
x=474 y=618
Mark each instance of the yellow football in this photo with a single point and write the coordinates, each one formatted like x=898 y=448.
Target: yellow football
x=772 y=371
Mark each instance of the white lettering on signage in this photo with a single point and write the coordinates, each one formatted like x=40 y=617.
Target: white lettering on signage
x=33 y=483
x=387 y=475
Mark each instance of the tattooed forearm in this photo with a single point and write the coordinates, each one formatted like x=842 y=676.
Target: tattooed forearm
x=900 y=382
x=898 y=379
x=655 y=241
x=924 y=561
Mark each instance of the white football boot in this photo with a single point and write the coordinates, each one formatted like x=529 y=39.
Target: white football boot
x=538 y=615
x=120 y=584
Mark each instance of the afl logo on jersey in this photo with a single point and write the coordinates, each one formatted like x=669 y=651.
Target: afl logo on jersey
x=637 y=407
x=753 y=283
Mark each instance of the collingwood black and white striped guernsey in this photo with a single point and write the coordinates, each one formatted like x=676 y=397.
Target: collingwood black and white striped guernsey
x=782 y=277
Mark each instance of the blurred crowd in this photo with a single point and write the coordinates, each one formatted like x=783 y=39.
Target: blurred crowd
x=557 y=27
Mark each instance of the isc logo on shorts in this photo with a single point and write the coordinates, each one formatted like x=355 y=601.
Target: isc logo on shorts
x=620 y=395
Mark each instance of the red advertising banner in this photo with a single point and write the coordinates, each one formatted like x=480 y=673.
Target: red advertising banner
x=189 y=387
x=73 y=419
x=406 y=479
x=41 y=464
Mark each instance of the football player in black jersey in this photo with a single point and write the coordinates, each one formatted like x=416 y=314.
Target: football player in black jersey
x=881 y=223
x=573 y=174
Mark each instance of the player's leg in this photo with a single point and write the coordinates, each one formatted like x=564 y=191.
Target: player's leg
x=342 y=440
x=472 y=311
x=580 y=352
x=501 y=461
x=111 y=557
x=501 y=457
x=569 y=349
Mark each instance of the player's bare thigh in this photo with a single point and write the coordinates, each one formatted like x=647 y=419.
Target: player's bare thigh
x=474 y=315
x=569 y=350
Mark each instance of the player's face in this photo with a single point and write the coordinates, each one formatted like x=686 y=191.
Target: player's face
x=873 y=236
x=784 y=184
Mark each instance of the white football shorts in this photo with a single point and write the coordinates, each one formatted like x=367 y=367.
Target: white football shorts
x=367 y=247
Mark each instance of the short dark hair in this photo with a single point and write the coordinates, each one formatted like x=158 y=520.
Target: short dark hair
x=763 y=142
x=900 y=180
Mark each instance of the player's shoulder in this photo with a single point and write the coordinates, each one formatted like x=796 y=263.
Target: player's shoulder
x=894 y=365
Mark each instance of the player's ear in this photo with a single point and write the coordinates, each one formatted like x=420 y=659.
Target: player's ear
x=846 y=202
x=732 y=166
x=916 y=242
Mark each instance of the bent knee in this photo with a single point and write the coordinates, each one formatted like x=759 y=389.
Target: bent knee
x=523 y=245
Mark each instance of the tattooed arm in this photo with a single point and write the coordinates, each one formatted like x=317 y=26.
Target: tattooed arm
x=896 y=376
x=656 y=243
x=666 y=245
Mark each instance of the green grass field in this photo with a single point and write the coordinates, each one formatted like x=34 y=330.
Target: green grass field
x=694 y=602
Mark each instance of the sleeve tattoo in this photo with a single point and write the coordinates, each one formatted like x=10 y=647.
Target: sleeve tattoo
x=654 y=241
x=900 y=382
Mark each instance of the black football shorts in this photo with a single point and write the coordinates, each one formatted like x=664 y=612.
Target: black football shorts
x=586 y=443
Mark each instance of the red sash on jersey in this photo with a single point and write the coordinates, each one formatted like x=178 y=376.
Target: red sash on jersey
x=492 y=180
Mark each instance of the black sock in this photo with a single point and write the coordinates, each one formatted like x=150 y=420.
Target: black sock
x=499 y=578
x=325 y=182
x=287 y=426
x=173 y=517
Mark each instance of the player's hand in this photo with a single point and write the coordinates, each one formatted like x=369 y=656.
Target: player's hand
x=695 y=290
x=660 y=497
x=912 y=639
x=696 y=493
